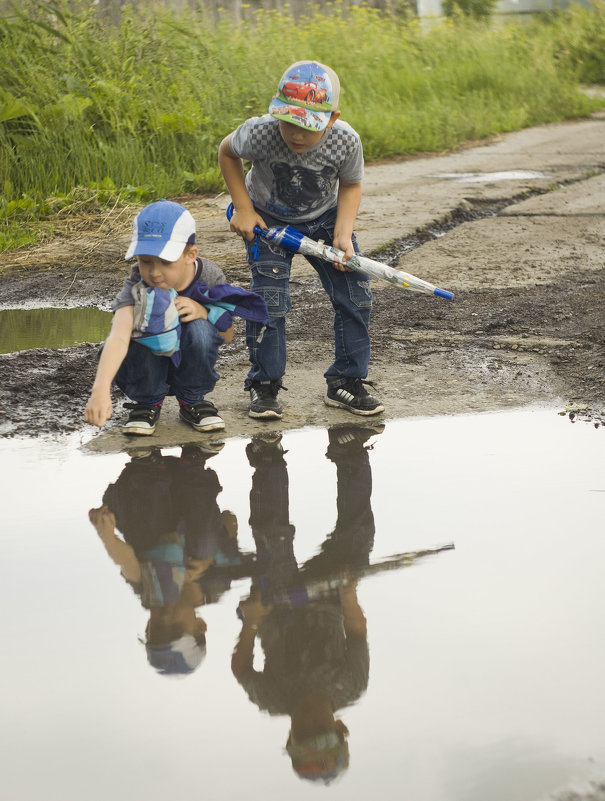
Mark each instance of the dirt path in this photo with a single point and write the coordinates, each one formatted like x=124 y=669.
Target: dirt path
x=515 y=228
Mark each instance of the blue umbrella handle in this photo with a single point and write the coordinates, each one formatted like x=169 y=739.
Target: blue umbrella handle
x=229 y=213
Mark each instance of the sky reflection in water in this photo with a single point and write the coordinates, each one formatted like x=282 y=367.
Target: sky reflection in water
x=481 y=671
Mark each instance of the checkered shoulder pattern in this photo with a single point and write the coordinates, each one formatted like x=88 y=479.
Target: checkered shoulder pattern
x=259 y=139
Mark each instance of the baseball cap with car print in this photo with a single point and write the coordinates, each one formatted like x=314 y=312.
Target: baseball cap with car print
x=162 y=229
x=307 y=94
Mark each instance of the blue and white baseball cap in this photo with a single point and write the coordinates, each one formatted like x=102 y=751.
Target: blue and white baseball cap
x=307 y=94
x=177 y=658
x=162 y=229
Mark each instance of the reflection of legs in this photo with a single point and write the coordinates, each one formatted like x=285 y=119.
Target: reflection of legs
x=195 y=492
x=141 y=500
x=269 y=513
x=353 y=536
x=351 y=542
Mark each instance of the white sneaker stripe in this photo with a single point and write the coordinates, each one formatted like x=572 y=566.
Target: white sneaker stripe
x=345 y=396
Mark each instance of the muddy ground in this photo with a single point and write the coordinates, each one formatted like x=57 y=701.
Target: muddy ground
x=515 y=227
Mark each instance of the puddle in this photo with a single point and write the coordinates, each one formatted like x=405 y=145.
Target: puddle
x=24 y=329
x=469 y=674
x=489 y=177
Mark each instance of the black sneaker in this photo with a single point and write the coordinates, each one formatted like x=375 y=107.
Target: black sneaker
x=354 y=397
x=202 y=416
x=142 y=419
x=263 y=400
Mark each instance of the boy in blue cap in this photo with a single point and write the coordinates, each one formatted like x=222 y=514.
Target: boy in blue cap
x=306 y=171
x=163 y=340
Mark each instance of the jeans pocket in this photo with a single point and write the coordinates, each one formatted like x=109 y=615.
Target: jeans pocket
x=360 y=292
x=271 y=280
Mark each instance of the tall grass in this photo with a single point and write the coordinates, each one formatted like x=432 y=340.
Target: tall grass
x=138 y=110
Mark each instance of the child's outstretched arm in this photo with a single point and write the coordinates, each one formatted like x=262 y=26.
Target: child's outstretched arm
x=103 y=519
x=349 y=198
x=98 y=409
x=245 y=216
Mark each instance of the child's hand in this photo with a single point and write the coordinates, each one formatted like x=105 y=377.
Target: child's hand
x=253 y=610
x=244 y=222
x=103 y=520
x=196 y=568
x=98 y=409
x=189 y=309
x=345 y=244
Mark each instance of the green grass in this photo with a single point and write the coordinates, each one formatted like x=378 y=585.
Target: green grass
x=91 y=113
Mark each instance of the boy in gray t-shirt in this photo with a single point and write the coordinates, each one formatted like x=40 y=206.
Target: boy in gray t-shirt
x=307 y=167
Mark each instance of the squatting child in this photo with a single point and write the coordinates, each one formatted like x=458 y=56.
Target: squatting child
x=162 y=341
x=306 y=171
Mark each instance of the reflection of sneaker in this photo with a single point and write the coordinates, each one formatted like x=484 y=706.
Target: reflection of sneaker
x=142 y=419
x=148 y=455
x=200 y=452
x=202 y=416
x=263 y=400
x=143 y=452
x=264 y=448
x=348 y=439
x=354 y=397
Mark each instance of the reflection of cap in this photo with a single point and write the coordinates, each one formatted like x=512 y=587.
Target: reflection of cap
x=321 y=758
x=162 y=229
x=177 y=658
x=307 y=94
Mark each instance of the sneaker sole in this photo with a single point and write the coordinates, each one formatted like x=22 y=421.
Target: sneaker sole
x=269 y=414
x=137 y=431
x=362 y=412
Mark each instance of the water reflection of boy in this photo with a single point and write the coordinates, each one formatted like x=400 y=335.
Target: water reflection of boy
x=166 y=509
x=316 y=655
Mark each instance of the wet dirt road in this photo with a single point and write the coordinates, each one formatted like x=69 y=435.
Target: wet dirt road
x=514 y=227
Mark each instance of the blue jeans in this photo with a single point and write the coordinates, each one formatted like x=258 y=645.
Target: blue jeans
x=349 y=293
x=147 y=378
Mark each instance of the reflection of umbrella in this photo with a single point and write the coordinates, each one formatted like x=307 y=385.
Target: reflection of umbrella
x=300 y=594
x=293 y=241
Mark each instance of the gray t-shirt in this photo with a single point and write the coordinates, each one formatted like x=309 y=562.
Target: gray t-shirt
x=296 y=187
x=206 y=271
x=306 y=650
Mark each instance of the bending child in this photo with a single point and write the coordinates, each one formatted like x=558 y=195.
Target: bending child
x=307 y=167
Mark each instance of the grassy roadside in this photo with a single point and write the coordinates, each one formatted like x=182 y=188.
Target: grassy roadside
x=93 y=115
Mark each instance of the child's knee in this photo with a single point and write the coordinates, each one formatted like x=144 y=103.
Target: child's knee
x=200 y=335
